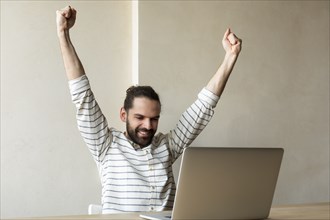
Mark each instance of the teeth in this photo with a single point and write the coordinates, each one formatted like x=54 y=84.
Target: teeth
x=144 y=133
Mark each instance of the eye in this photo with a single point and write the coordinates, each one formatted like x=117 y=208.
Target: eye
x=155 y=119
x=139 y=117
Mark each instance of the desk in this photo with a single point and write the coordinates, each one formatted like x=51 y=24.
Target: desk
x=306 y=211
x=315 y=211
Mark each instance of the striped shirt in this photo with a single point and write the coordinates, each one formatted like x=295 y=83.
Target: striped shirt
x=135 y=179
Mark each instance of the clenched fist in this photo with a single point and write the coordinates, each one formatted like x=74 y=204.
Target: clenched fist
x=231 y=43
x=65 y=18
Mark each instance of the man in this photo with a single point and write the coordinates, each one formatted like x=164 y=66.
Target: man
x=135 y=166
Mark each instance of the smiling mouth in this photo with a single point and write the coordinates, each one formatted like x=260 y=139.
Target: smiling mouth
x=144 y=134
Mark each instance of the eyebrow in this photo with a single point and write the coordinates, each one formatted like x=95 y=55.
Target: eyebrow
x=139 y=115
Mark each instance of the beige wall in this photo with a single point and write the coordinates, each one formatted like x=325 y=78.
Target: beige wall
x=277 y=96
x=46 y=168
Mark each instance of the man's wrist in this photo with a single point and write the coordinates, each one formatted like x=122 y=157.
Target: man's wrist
x=229 y=60
x=231 y=56
x=62 y=32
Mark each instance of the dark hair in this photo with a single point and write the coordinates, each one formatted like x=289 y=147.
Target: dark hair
x=139 y=91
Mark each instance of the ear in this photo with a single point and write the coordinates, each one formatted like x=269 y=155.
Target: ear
x=123 y=114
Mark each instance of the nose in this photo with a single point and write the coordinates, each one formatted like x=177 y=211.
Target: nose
x=147 y=124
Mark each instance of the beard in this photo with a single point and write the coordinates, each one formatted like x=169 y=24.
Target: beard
x=135 y=135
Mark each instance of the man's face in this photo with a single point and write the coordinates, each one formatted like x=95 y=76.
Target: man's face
x=141 y=120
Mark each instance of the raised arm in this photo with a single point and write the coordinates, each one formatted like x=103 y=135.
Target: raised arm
x=232 y=46
x=65 y=19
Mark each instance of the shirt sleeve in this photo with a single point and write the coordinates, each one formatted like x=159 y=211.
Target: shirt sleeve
x=192 y=122
x=91 y=122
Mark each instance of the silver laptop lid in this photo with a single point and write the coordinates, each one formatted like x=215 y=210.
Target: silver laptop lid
x=226 y=183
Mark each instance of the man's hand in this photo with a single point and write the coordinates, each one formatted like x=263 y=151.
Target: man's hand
x=231 y=43
x=65 y=18
x=232 y=46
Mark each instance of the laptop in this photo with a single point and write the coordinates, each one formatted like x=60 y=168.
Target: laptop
x=224 y=183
